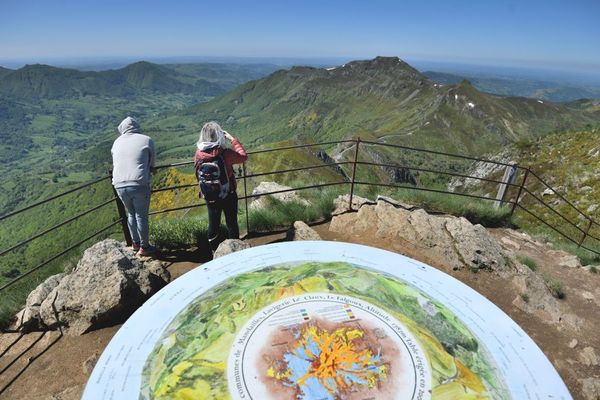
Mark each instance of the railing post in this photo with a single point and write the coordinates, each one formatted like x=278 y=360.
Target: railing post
x=512 y=210
x=585 y=233
x=510 y=175
x=122 y=213
x=246 y=200
x=353 y=174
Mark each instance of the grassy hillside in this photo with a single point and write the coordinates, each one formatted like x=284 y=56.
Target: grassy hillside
x=566 y=161
x=531 y=88
x=384 y=99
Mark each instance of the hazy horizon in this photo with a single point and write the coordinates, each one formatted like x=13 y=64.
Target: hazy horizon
x=507 y=70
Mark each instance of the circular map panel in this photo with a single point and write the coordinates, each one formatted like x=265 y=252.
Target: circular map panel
x=321 y=320
x=322 y=345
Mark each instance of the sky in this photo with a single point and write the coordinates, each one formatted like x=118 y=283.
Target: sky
x=549 y=34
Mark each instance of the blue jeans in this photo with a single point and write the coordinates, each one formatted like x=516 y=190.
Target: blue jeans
x=136 y=200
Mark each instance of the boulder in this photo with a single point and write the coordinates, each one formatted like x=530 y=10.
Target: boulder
x=540 y=302
x=342 y=202
x=260 y=202
x=230 y=246
x=588 y=357
x=301 y=231
x=29 y=317
x=106 y=287
x=454 y=240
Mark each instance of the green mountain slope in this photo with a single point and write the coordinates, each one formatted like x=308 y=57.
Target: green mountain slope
x=385 y=100
x=34 y=82
x=4 y=71
x=549 y=91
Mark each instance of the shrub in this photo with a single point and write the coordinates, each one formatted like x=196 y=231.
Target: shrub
x=554 y=286
x=528 y=262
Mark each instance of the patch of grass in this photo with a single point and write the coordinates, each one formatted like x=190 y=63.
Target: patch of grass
x=178 y=233
x=525 y=297
x=528 y=262
x=277 y=214
x=555 y=286
x=593 y=269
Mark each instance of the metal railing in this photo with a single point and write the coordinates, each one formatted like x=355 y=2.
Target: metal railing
x=524 y=188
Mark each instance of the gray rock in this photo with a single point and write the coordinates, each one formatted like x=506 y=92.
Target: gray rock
x=573 y=343
x=475 y=246
x=105 y=288
x=592 y=208
x=590 y=388
x=541 y=303
x=342 y=202
x=260 y=202
x=547 y=192
x=230 y=246
x=584 y=189
x=506 y=242
x=455 y=240
x=588 y=357
x=301 y=231
x=30 y=316
x=565 y=259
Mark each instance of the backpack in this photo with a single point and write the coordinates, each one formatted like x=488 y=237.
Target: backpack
x=212 y=179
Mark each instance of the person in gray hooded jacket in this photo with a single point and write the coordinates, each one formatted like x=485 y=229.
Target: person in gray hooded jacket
x=133 y=159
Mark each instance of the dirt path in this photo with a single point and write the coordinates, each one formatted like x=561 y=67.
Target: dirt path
x=48 y=366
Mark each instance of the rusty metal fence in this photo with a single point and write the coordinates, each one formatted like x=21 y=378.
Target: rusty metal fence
x=569 y=228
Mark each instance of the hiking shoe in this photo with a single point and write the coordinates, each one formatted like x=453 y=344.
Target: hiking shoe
x=146 y=251
x=135 y=247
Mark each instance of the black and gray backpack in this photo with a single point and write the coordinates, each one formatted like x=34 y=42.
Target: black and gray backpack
x=212 y=179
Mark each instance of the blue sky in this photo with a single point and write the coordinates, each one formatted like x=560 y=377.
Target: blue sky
x=553 y=34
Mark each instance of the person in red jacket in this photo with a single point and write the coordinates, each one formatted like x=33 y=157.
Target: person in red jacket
x=211 y=145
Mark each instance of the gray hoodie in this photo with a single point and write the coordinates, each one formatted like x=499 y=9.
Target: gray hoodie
x=133 y=156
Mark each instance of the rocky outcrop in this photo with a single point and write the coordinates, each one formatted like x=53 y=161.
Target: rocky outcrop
x=342 y=203
x=286 y=195
x=533 y=297
x=230 y=246
x=106 y=287
x=29 y=317
x=454 y=240
x=301 y=231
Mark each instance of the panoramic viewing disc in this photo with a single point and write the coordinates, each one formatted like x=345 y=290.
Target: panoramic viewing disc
x=319 y=345
x=321 y=320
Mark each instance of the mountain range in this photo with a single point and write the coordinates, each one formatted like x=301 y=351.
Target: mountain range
x=385 y=100
x=510 y=86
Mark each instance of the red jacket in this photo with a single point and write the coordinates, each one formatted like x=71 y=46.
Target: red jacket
x=235 y=155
